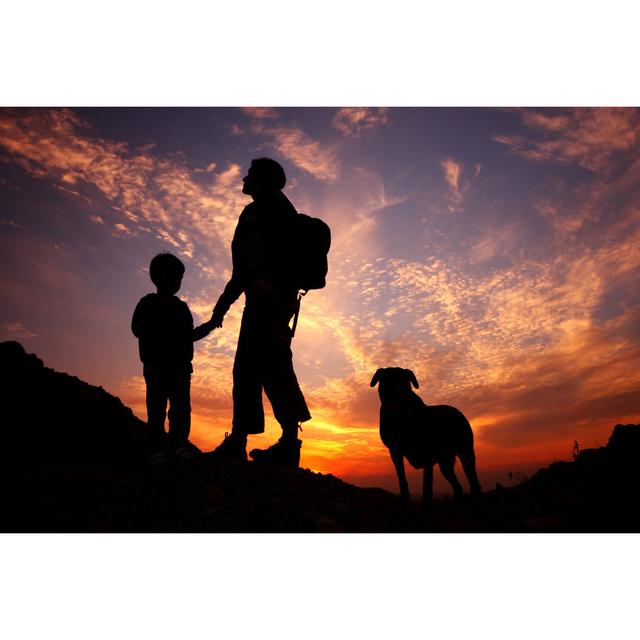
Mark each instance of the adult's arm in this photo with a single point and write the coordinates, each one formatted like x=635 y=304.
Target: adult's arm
x=231 y=293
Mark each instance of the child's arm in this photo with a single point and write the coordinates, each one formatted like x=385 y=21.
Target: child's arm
x=139 y=320
x=203 y=330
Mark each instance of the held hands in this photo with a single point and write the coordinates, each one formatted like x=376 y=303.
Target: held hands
x=203 y=330
x=215 y=322
x=216 y=319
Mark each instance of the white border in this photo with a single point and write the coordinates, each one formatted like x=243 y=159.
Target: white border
x=318 y=586
x=285 y=52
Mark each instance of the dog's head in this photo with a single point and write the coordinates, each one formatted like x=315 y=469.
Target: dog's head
x=393 y=382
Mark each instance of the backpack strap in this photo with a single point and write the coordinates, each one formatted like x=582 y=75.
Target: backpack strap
x=295 y=317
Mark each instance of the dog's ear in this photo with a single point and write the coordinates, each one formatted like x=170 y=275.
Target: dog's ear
x=412 y=378
x=376 y=377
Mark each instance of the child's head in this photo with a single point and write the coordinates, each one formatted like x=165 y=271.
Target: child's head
x=166 y=271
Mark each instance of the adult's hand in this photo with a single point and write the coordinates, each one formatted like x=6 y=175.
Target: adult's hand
x=216 y=319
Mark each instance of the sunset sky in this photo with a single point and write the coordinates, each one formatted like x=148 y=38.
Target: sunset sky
x=496 y=252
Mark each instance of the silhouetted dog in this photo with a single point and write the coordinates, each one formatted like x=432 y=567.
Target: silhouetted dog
x=424 y=435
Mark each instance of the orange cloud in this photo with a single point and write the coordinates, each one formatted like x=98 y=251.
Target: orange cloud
x=352 y=121
x=122 y=229
x=261 y=113
x=562 y=219
x=495 y=241
x=593 y=138
x=16 y=331
x=151 y=195
x=317 y=159
x=457 y=187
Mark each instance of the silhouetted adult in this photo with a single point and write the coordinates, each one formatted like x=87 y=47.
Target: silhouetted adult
x=262 y=250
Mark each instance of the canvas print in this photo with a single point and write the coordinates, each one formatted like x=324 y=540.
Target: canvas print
x=320 y=320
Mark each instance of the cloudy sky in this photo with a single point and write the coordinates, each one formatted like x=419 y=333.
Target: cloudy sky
x=494 y=252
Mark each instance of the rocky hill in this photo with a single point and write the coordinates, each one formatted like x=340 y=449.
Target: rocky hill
x=54 y=418
x=73 y=460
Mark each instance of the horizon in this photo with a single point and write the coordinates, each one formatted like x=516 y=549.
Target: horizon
x=492 y=251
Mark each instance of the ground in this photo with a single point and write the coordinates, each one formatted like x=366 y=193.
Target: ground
x=75 y=460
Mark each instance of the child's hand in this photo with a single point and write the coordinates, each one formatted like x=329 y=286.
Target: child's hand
x=203 y=330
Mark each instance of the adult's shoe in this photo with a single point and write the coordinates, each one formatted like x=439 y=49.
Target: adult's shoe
x=158 y=459
x=186 y=454
x=231 y=449
x=285 y=453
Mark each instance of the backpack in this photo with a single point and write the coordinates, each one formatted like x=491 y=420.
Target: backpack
x=312 y=240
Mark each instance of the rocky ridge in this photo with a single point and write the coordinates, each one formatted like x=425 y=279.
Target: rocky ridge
x=73 y=459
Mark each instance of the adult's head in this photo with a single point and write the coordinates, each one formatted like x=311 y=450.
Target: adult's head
x=264 y=176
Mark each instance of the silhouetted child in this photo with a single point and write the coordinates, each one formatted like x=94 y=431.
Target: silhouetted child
x=163 y=325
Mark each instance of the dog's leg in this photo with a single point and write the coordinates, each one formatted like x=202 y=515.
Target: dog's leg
x=468 y=461
x=427 y=486
x=446 y=467
x=398 y=463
